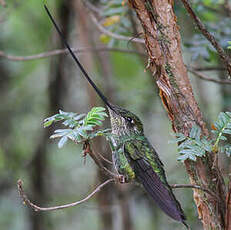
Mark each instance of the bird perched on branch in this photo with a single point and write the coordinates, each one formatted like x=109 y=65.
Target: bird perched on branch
x=133 y=156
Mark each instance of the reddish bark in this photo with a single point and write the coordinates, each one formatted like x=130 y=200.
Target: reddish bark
x=228 y=209
x=163 y=44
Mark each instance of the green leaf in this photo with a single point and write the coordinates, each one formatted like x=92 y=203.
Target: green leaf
x=62 y=112
x=95 y=116
x=228 y=150
x=207 y=145
x=47 y=123
x=223 y=126
x=74 y=136
x=58 y=117
x=223 y=138
x=62 y=130
x=195 y=132
x=184 y=144
x=223 y=119
x=81 y=126
x=60 y=133
x=192 y=146
x=87 y=127
x=98 y=109
x=185 y=157
x=192 y=152
x=215 y=132
x=78 y=117
x=227 y=131
x=180 y=137
x=98 y=116
x=62 y=141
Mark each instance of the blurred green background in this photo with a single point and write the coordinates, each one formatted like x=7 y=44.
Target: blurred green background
x=35 y=89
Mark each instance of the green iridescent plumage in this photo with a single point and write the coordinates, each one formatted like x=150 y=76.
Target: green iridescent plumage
x=136 y=159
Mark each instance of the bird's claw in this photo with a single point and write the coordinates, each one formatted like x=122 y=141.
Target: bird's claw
x=122 y=179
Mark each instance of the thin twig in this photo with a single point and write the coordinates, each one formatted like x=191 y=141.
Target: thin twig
x=38 y=208
x=203 y=77
x=113 y=35
x=209 y=68
x=104 y=158
x=91 y=7
x=87 y=150
x=195 y=187
x=65 y=51
x=103 y=29
x=208 y=35
x=26 y=201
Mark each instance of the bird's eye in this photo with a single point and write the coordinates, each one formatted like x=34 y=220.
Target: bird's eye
x=130 y=120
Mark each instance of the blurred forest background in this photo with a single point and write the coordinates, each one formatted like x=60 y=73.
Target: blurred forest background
x=33 y=88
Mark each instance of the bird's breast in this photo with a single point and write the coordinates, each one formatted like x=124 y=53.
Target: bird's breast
x=120 y=161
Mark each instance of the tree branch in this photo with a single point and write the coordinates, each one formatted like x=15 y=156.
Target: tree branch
x=102 y=29
x=113 y=35
x=203 y=77
x=87 y=150
x=228 y=207
x=208 y=35
x=35 y=207
x=195 y=187
x=38 y=208
x=163 y=43
x=65 y=51
x=212 y=68
x=104 y=158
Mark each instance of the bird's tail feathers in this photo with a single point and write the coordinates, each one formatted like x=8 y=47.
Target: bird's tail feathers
x=160 y=192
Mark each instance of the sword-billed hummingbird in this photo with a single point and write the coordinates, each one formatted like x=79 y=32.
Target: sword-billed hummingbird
x=133 y=155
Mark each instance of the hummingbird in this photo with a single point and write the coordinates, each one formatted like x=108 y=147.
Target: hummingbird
x=133 y=156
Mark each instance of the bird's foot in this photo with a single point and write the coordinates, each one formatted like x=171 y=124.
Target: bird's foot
x=123 y=179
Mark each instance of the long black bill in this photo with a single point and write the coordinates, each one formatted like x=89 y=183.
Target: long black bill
x=77 y=61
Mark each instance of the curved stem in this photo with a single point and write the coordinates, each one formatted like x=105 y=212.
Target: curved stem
x=38 y=208
x=65 y=51
x=195 y=187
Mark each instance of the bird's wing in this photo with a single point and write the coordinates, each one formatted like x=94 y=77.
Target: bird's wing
x=152 y=176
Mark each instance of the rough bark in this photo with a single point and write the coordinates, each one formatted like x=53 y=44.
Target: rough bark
x=225 y=160
x=228 y=208
x=162 y=39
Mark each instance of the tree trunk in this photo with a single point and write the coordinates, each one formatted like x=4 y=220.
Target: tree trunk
x=39 y=163
x=162 y=39
x=85 y=37
x=105 y=197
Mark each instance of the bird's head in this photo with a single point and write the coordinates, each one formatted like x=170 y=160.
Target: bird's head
x=124 y=122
